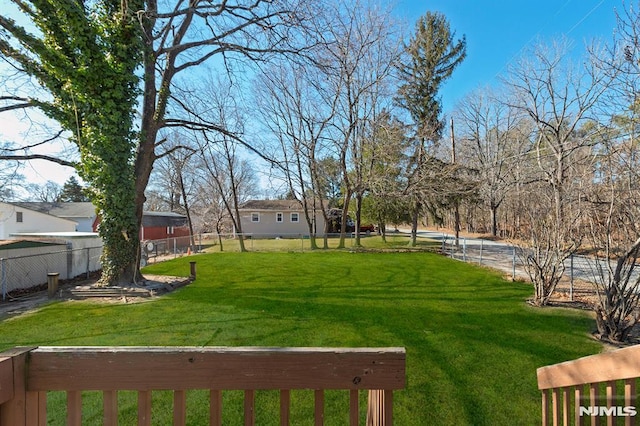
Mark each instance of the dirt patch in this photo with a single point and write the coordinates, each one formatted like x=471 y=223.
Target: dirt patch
x=149 y=288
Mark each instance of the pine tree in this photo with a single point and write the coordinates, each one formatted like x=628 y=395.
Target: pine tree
x=433 y=55
x=73 y=192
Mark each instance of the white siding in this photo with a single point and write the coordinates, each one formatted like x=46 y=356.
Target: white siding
x=269 y=227
x=32 y=221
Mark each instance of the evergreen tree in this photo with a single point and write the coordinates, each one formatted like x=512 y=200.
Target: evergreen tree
x=73 y=192
x=432 y=57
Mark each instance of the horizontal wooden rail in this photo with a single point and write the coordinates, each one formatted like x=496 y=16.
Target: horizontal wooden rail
x=27 y=374
x=588 y=388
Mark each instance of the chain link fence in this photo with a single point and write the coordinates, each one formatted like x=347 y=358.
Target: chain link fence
x=579 y=275
x=21 y=273
x=153 y=251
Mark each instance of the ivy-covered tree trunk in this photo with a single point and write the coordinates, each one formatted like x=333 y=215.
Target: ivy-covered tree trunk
x=108 y=148
x=87 y=56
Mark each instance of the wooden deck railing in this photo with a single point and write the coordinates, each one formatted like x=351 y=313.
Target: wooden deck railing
x=591 y=388
x=26 y=374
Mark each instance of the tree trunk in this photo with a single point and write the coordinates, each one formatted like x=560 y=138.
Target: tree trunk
x=415 y=214
x=192 y=241
x=236 y=212
x=494 y=219
x=121 y=250
x=343 y=225
x=358 y=218
x=121 y=210
x=310 y=217
x=219 y=232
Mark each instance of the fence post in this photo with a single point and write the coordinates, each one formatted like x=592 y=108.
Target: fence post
x=88 y=261
x=481 y=246
x=571 y=275
x=464 y=249
x=69 y=260
x=52 y=284
x=513 y=274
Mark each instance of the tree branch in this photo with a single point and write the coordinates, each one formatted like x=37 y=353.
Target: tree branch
x=176 y=148
x=23 y=148
x=39 y=157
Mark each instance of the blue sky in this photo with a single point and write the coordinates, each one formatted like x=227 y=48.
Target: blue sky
x=498 y=31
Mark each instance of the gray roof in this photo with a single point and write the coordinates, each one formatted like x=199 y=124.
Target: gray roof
x=79 y=210
x=164 y=214
x=150 y=219
x=65 y=210
x=275 y=205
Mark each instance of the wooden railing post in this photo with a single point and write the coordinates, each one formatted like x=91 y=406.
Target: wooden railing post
x=13 y=404
x=6 y=382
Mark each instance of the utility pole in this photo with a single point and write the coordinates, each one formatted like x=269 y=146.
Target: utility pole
x=456 y=209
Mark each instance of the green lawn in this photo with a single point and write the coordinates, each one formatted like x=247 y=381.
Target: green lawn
x=473 y=345
x=301 y=244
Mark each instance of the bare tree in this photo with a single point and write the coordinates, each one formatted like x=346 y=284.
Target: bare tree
x=214 y=213
x=360 y=50
x=172 y=182
x=48 y=192
x=558 y=97
x=614 y=214
x=110 y=58
x=614 y=218
x=221 y=156
x=291 y=104
x=11 y=178
x=489 y=141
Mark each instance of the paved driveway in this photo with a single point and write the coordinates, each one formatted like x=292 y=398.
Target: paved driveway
x=506 y=257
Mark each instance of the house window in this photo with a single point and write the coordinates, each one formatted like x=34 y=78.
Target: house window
x=295 y=217
x=255 y=217
x=170 y=230
x=279 y=217
x=19 y=217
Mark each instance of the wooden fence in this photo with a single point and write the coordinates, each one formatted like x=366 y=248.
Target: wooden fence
x=26 y=374
x=592 y=388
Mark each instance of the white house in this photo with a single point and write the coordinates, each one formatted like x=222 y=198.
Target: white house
x=277 y=218
x=83 y=213
x=16 y=219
